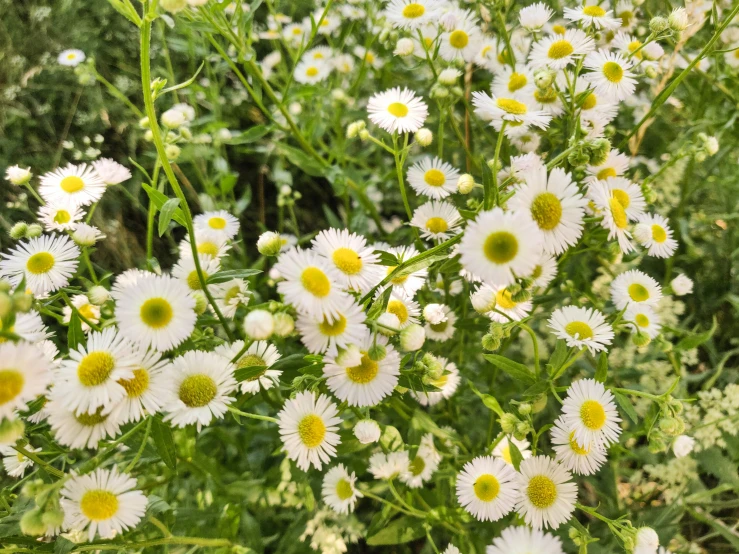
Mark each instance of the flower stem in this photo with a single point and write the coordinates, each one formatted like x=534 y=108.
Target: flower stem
x=253 y=416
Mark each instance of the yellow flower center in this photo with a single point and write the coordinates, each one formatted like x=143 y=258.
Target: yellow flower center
x=72 y=184
x=618 y=213
x=398 y=308
x=506 y=453
x=548 y=96
x=315 y=282
x=312 y=430
x=504 y=300
x=642 y=320
x=558 y=29
x=437 y=225
x=592 y=415
x=312 y=71
x=626 y=17
x=398 y=109
x=486 y=487
x=99 y=504
x=370 y=58
x=347 y=260
x=511 y=106
x=633 y=46
x=659 y=234
x=605 y=173
x=333 y=329
x=209 y=249
x=87 y=310
x=231 y=294
x=217 y=223
x=136 y=385
x=459 y=39
x=594 y=11
x=95 y=368
x=61 y=217
x=590 y=102
x=546 y=209
x=344 y=489
x=560 y=49
x=193 y=281
x=434 y=178
x=538 y=270
x=412 y=11
x=613 y=72
x=156 y=313
x=576 y=448
x=363 y=373
x=441 y=382
x=579 y=330
x=197 y=390
x=11 y=384
x=517 y=82
x=542 y=491
x=622 y=197
x=297 y=31
x=638 y=292
x=40 y=263
x=500 y=247
x=91 y=419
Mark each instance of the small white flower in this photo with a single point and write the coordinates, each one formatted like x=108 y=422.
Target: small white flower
x=339 y=490
x=25 y=372
x=71 y=57
x=389 y=466
x=487 y=488
x=593 y=16
x=635 y=287
x=433 y=177
x=14 y=462
x=581 y=327
x=654 y=233
x=220 y=223
x=410 y=14
x=502 y=450
x=17 y=175
x=559 y=51
x=367 y=431
x=397 y=110
x=111 y=172
x=259 y=354
x=525 y=540
x=86 y=235
x=681 y=285
x=647 y=541
x=610 y=75
x=437 y=220
x=589 y=411
x=683 y=446
x=46 y=263
x=578 y=459
x=535 y=16
x=548 y=494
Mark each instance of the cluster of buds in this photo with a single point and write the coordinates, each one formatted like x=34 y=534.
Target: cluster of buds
x=590 y=152
x=512 y=425
x=46 y=517
x=669 y=425
x=705 y=147
x=261 y=324
x=23 y=230
x=357 y=129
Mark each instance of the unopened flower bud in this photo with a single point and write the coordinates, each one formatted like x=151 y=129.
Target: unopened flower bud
x=490 y=343
x=32 y=524
x=404 y=47
x=98 y=295
x=658 y=24
x=22 y=302
x=449 y=77
x=434 y=313
x=284 y=324
x=19 y=230
x=363 y=135
x=259 y=324
x=10 y=431
x=543 y=78
x=678 y=19
x=173 y=118
x=424 y=136
x=640 y=339
x=508 y=423
x=34 y=230
x=270 y=243
x=465 y=183
x=524 y=408
x=6 y=305
x=412 y=338
x=483 y=300
x=521 y=296
x=172 y=151
x=201 y=302
x=53 y=518
x=18 y=175
x=377 y=352
x=367 y=431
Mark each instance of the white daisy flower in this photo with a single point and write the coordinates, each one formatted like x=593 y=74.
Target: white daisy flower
x=368 y=57
x=199 y=388
x=367 y=383
x=643 y=319
x=444 y=330
x=626 y=11
x=509 y=309
x=682 y=285
x=498 y=246
x=628 y=45
x=127 y=279
x=89 y=311
x=110 y=171
x=545 y=271
x=515 y=112
x=46 y=262
x=489 y=56
x=487 y=488
x=410 y=14
x=294 y=33
x=339 y=490
x=425 y=463
x=654 y=233
x=629 y=196
x=502 y=450
x=308 y=429
x=61 y=216
x=157 y=312
x=525 y=540
x=559 y=51
x=78 y=185
x=389 y=466
x=29 y=327
x=593 y=16
x=577 y=459
x=433 y=177
x=185 y=270
x=311 y=284
x=219 y=223
x=259 y=353
x=406 y=284
x=103 y=502
x=555 y=205
x=83 y=430
x=355 y=261
x=615 y=165
x=207 y=243
x=635 y=287
x=590 y=412
x=610 y=75
x=437 y=220
x=311 y=72
x=614 y=215
x=403 y=307
x=547 y=101
x=581 y=328
x=230 y=295
x=534 y=17
x=71 y=57
x=596 y=110
x=447 y=383
x=514 y=83
x=548 y=494
x=320 y=334
x=397 y=110
x=14 y=462
x=451 y=549
x=462 y=39
x=86 y=235
x=25 y=372
x=146 y=389
x=319 y=53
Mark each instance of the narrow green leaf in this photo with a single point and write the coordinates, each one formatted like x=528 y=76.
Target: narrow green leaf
x=160 y=199
x=399 y=531
x=75 y=335
x=601 y=372
x=223 y=276
x=251 y=135
x=166 y=213
x=516 y=456
x=517 y=371
x=380 y=305
x=164 y=442
x=695 y=340
x=626 y=406
x=250 y=372
x=490 y=401
x=559 y=356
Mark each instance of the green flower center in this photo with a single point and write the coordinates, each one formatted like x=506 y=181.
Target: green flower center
x=61 y=217
x=417 y=466
x=638 y=293
x=590 y=102
x=500 y=247
x=197 y=390
x=344 y=489
x=193 y=281
x=487 y=487
x=156 y=313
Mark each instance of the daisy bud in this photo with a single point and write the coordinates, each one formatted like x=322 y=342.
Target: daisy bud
x=86 y=235
x=449 y=77
x=144 y=122
x=657 y=442
x=434 y=369
x=17 y=175
x=675 y=405
x=424 y=136
x=363 y=135
x=5 y=285
x=270 y=243
x=640 y=339
x=201 y=302
x=434 y=313
x=22 y=302
x=367 y=431
x=439 y=92
x=599 y=150
x=6 y=305
x=524 y=408
x=508 y=423
x=352 y=130
x=284 y=324
x=350 y=356
x=483 y=300
x=173 y=6
x=10 y=431
x=185 y=133
x=711 y=145
x=681 y=285
x=389 y=324
x=490 y=343
x=412 y=338
x=34 y=230
x=259 y=324
x=521 y=296
x=377 y=352
x=650 y=71
x=173 y=118
x=678 y=19
x=98 y=295
x=53 y=518
x=522 y=429
x=642 y=232
x=404 y=47
x=683 y=446
x=658 y=24
x=465 y=183
x=32 y=523
x=19 y=230
x=338 y=95
x=172 y=151
x=148 y=136
x=669 y=425
x=540 y=403
x=543 y=78
x=646 y=540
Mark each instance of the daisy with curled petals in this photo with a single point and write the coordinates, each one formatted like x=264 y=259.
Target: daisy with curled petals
x=311 y=72
x=397 y=110
x=339 y=490
x=78 y=185
x=308 y=429
x=354 y=260
x=548 y=494
x=581 y=328
x=103 y=502
x=230 y=295
x=207 y=243
x=628 y=194
x=260 y=354
x=515 y=112
x=217 y=222
x=514 y=83
x=547 y=101
x=311 y=284
x=614 y=215
x=534 y=17
x=593 y=16
x=610 y=75
x=46 y=262
x=635 y=287
x=555 y=205
x=545 y=271
x=503 y=449
x=443 y=330
x=590 y=412
x=615 y=165
x=82 y=304
x=82 y=430
x=110 y=171
x=147 y=387
x=653 y=232
x=186 y=272
x=410 y=14
x=506 y=309
x=199 y=388
x=320 y=334
x=462 y=39
x=88 y=380
x=447 y=383
x=407 y=284
x=157 y=312
x=61 y=216
x=643 y=319
x=498 y=246
x=423 y=465
x=577 y=459
x=559 y=51
x=436 y=220
x=487 y=488
x=389 y=466
x=433 y=177
x=403 y=307
x=368 y=382
x=525 y=540
x=24 y=375
x=14 y=462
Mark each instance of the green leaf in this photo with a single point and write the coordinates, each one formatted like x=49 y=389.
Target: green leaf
x=601 y=372
x=713 y=461
x=399 y=531
x=537 y=388
x=184 y=84
x=224 y=276
x=63 y=546
x=251 y=135
x=626 y=406
x=159 y=199
x=490 y=401
x=516 y=456
x=380 y=305
x=166 y=213
x=695 y=340
x=303 y=161
x=391 y=439
x=292 y=362
x=227 y=182
x=75 y=335
x=164 y=442
x=249 y=372
x=559 y=356
x=517 y=371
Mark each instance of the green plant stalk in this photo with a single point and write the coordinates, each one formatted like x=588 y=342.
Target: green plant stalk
x=68 y=302
x=34 y=193
x=191 y=541
x=38 y=461
x=88 y=263
x=117 y=93
x=488 y=202
x=399 y=173
x=253 y=416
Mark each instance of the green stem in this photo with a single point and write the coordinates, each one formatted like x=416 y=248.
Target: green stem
x=399 y=173
x=88 y=263
x=136 y=458
x=536 y=346
x=117 y=94
x=36 y=460
x=193 y=541
x=494 y=193
x=253 y=416
x=68 y=302
x=34 y=193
